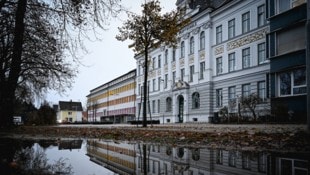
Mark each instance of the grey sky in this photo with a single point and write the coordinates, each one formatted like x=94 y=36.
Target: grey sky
x=107 y=59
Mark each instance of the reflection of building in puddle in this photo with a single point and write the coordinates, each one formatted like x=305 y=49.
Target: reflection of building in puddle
x=195 y=161
x=118 y=157
x=69 y=144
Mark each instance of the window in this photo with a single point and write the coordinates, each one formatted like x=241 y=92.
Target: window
x=202 y=70
x=166 y=80
x=159 y=61
x=293 y=82
x=158 y=106
x=168 y=104
x=154 y=63
x=262 y=162
x=166 y=56
x=139 y=89
x=219 y=97
x=231 y=28
x=261 y=53
x=246 y=90
x=246 y=58
x=153 y=106
x=154 y=84
x=173 y=77
x=245 y=22
x=219 y=66
x=261 y=15
x=219 y=156
x=191 y=45
x=232 y=158
x=293 y=166
x=139 y=70
x=219 y=34
x=159 y=82
x=173 y=54
x=291 y=40
x=284 y=5
x=231 y=62
x=232 y=94
x=246 y=161
x=261 y=90
x=202 y=39
x=182 y=49
x=191 y=75
x=195 y=100
x=182 y=74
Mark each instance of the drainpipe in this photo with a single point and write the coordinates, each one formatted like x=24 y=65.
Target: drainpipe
x=308 y=63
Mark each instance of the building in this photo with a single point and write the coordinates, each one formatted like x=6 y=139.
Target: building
x=221 y=57
x=69 y=112
x=114 y=101
x=287 y=54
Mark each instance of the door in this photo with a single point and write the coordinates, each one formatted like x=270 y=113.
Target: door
x=181 y=109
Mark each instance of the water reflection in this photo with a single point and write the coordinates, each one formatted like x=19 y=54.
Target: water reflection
x=127 y=158
x=151 y=159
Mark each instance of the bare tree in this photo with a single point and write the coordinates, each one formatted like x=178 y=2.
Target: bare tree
x=250 y=102
x=36 y=38
x=150 y=30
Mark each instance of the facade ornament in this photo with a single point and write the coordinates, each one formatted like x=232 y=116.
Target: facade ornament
x=207 y=25
x=186 y=36
x=218 y=50
x=162 y=48
x=247 y=39
x=182 y=62
x=196 y=30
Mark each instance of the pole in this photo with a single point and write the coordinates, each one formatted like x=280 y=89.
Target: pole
x=308 y=63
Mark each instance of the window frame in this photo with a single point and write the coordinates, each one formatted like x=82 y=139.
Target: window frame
x=202 y=40
x=231 y=28
x=292 y=85
x=219 y=65
x=182 y=50
x=261 y=15
x=202 y=69
x=245 y=21
x=231 y=62
x=219 y=34
x=191 y=73
x=246 y=58
x=219 y=97
x=195 y=100
x=261 y=53
x=191 y=45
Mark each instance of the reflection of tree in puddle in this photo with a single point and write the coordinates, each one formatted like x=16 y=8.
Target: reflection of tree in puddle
x=34 y=161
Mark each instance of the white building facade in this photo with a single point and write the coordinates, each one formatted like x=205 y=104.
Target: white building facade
x=220 y=57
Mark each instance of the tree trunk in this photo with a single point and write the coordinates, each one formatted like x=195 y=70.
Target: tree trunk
x=7 y=94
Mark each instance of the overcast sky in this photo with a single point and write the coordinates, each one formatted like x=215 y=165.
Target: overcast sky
x=107 y=59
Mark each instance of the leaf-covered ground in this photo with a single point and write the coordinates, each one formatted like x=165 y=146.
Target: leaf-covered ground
x=288 y=138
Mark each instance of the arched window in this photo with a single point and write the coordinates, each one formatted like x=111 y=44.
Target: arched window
x=180 y=152
x=182 y=49
x=196 y=154
x=196 y=100
x=191 y=45
x=168 y=104
x=202 y=40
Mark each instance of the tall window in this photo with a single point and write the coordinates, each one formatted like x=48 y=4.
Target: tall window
x=202 y=70
x=182 y=74
x=293 y=82
x=219 y=156
x=173 y=77
x=166 y=80
x=261 y=90
x=261 y=53
x=232 y=158
x=191 y=45
x=246 y=90
x=219 y=34
x=173 y=54
x=283 y=5
x=219 y=66
x=182 y=49
x=153 y=106
x=246 y=160
x=191 y=75
x=202 y=40
x=231 y=28
x=154 y=84
x=261 y=15
x=245 y=22
x=159 y=61
x=154 y=63
x=231 y=62
x=219 y=97
x=246 y=58
x=168 y=104
x=158 y=106
x=159 y=82
x=195 y=100
x=166 y=56
x=232 y=94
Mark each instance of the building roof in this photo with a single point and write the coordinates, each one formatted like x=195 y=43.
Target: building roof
x=70 y=105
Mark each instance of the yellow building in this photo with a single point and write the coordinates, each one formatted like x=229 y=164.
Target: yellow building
x=69 y=112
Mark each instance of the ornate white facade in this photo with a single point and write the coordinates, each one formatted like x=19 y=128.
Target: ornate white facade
x=221 y=55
